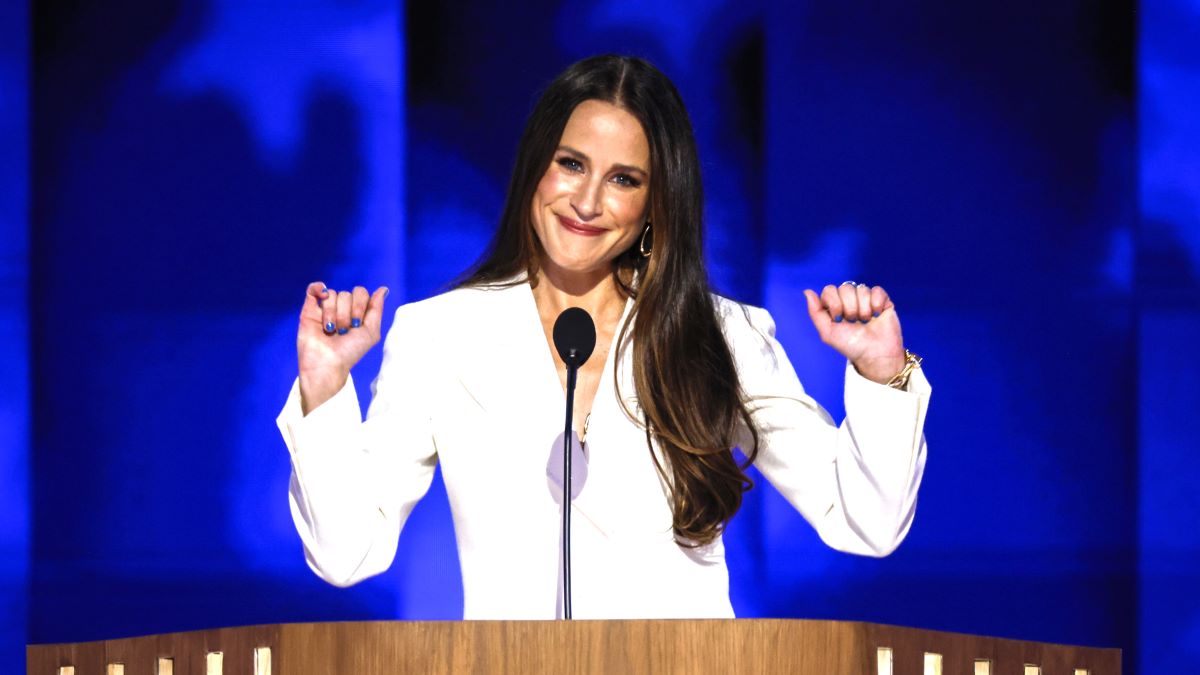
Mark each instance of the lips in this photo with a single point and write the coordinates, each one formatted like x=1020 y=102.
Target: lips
x=579 y=228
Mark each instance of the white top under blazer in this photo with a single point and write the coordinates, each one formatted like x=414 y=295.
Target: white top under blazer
x=468 y=380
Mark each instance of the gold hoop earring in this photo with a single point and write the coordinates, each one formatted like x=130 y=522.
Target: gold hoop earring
x=642 y=244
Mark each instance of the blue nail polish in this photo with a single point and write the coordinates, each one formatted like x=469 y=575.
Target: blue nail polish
x=329 y=327
x=355 y=323
x=837 y=319
x=343 y=331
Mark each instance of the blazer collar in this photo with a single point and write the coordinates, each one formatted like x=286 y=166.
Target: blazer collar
x=513 y=366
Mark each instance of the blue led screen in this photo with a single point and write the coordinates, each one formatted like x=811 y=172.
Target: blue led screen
x=14 y=342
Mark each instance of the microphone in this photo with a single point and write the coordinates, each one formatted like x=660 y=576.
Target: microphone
x=574 y=338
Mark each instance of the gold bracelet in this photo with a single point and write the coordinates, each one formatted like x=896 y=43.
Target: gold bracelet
x=911 y=363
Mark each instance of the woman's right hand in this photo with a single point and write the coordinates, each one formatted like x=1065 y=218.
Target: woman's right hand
x=336 y=330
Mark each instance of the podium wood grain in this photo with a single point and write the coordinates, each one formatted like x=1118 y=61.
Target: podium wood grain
x=751 y=646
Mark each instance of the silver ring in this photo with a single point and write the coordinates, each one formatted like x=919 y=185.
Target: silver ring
x=851 y=283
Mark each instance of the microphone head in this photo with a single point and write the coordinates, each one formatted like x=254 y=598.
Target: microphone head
x=574 y=336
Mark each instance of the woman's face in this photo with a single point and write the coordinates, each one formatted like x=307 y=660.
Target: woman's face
x=591 y=204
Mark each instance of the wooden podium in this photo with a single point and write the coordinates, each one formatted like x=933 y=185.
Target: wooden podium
x=703 y=646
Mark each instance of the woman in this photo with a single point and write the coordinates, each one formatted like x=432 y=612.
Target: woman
x=603 y=212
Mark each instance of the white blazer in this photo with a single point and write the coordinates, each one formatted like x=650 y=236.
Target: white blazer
x=468 y=380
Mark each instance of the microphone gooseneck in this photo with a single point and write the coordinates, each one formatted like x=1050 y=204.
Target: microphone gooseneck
x=575 y=339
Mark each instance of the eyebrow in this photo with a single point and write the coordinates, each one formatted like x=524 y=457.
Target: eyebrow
x=622 y=167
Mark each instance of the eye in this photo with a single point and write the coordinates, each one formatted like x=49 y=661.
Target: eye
x=570 y=164
x=627 y=180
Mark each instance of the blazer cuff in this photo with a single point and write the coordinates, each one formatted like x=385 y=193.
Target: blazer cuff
x=323 y=426
x=861 y=392
x=887 y=423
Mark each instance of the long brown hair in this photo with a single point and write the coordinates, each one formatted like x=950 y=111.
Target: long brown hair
x=686 y=381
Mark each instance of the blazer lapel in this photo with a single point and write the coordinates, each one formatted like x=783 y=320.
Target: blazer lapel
x=512 y=367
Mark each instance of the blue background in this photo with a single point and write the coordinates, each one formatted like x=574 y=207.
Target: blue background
x=1022 y=178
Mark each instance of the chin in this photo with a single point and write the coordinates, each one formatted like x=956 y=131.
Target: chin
x=581 y=266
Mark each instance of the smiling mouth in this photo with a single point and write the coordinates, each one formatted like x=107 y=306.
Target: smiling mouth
x=579 y=228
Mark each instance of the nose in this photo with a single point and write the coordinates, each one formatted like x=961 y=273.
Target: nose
x=587 y=199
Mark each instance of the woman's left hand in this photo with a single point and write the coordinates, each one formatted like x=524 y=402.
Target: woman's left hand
x=860 y=322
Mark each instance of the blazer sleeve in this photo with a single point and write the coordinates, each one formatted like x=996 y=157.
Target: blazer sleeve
x=355 y=482
x=857 y=482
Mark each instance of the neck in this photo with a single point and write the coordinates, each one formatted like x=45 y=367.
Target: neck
x=596 y=293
